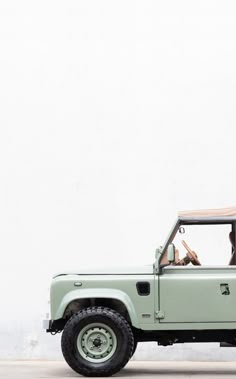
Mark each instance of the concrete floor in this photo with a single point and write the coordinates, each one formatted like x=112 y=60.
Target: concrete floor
x=159 y=370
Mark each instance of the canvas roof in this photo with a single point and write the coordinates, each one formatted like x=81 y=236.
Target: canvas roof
x=209 y=213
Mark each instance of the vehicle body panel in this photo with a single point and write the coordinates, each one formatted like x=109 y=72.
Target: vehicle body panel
x=119 y=287
x=198 y=294
x=113 y=270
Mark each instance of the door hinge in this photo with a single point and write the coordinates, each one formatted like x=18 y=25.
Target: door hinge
x=159 y=314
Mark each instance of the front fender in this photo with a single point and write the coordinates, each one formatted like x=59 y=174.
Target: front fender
x=98 y=293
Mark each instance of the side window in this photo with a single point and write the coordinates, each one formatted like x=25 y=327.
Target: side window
x=211 y=243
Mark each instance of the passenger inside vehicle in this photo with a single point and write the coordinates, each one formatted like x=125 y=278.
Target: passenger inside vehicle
x=191 y=256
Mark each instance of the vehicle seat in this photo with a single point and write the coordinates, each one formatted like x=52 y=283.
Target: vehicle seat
x=233 y=256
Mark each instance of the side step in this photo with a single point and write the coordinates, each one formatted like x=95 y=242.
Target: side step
x=226 y=344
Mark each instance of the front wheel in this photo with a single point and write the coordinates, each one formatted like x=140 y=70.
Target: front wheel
x=135 y=346
x=97 y=341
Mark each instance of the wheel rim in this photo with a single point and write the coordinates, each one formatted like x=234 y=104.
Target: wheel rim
x=96 y=342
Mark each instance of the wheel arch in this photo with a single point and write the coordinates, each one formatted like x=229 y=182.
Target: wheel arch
x=117 y=300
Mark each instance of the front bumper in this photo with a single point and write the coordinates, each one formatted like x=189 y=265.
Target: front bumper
x=54 y=326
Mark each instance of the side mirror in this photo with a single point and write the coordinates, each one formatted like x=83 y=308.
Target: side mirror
x=171 y=253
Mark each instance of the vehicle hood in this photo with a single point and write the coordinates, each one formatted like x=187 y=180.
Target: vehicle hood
x=114 y=270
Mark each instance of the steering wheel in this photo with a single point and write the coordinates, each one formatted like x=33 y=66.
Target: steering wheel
x=192 y=255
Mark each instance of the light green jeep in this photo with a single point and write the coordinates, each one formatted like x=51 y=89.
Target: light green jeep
x=104 y=314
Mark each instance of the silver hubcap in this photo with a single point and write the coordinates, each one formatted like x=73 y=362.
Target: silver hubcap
x=96 y=342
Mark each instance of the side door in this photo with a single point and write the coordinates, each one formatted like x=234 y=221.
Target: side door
x=197 y=294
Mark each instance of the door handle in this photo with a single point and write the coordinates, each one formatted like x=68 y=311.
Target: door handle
x=224 y=287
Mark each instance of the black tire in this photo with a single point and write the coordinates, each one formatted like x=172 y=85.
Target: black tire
x=135 y=346
x=114 y=322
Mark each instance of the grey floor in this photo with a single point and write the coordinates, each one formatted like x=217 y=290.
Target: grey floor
x=59 y=370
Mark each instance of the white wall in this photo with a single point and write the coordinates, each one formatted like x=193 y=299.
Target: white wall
x=114 y=115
